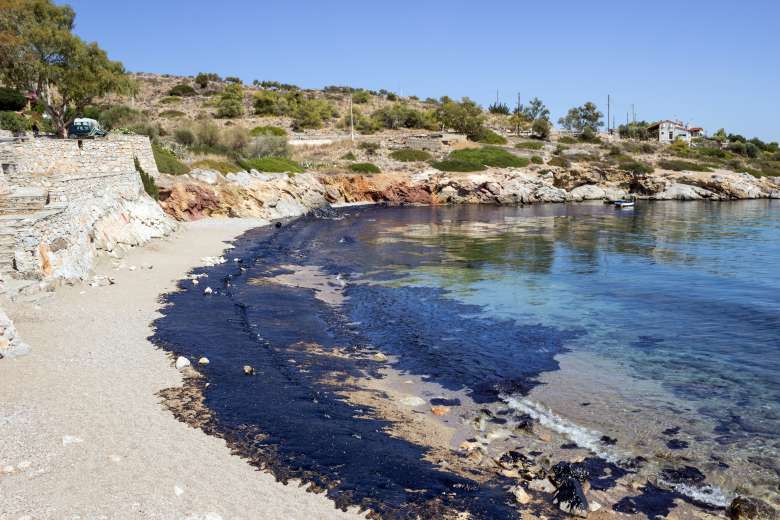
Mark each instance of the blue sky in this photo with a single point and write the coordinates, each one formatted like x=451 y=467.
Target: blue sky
x=713 y=64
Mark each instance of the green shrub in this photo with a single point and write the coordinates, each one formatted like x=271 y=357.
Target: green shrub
x=13 y=122
x=636 y=167
x=400 y=115
x=349 y=156
x=150 y=187
x=231 y=101
x=362 y=123
x=369 y=146
x=168 y=100
x=11 y=100
x=488 y=136
x=272 y=165
x=561 y=162
x=207 y=133
x=457 y=165
x=567 y=139
x=490 y=156
x=184 y=136
x=465 y=117
x=364 y=167
x=222 y=167
x=707 y=151
x=268 y=130
x=172 y=114
x=203 y=78
x=311 y=113
x=392 y=96
x=537 y=160
x=361 y=96
x=530 y=145
x=679 y=165
x=408 y=155
x=182 y=90
x=167 y=161
x=541 y=127
x=120 y=116
x=267 y=146
x=499 y=108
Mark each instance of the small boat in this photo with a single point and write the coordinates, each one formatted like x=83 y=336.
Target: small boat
x=624 y=203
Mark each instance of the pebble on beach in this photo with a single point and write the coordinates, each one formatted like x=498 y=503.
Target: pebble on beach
x=182 y=362
x=520 y=495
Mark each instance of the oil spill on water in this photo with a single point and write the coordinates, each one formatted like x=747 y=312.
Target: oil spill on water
x=289 y=418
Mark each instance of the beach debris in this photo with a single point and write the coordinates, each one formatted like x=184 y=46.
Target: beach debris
x=520 y=495
x=379 y=357
x=71 y=439
x=746 y=508
x=115 y=458
x=195 y=282
x=212 y=260
x=8 y=469
x=249 y=370
x=541 y=484
x=148 y=267
x=440 y=411
x=565 y=470
x=178 y=491
x=203 y=361
x=100 y=280
x=412 y=400
x=570 y=498
x=182 y=363
x=594 y=506
x=132 y=268
x=208 y=290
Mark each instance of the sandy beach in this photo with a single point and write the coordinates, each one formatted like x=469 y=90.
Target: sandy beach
x=83 y=432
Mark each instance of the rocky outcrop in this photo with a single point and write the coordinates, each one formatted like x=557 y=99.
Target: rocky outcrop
x=10 y=343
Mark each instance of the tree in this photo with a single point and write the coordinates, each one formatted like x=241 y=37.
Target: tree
x=541 y=127
x=11 y=100
x=720 y=135
x=499 y=108
x=39 y=53
x=465 y=117
x=535 y=110
x=580 y=118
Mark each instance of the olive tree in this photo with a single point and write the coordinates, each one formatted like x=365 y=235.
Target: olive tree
x=40 y=54
x=580 y=118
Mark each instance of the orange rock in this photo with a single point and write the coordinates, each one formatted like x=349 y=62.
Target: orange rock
x=440 y=410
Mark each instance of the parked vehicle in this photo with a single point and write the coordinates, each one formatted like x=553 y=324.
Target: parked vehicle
x=84 y=127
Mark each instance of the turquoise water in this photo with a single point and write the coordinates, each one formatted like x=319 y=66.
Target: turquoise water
x=676 y=308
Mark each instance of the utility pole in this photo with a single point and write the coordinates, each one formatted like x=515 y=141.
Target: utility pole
x=633 y=113
x=351 y=119
x=608 y=112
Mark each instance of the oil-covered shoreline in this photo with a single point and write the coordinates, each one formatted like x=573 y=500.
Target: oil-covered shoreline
x=294 y=417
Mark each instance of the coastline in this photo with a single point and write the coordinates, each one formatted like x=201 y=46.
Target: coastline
x=84 y=432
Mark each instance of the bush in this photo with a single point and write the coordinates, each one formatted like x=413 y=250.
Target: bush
x=150 y=187
x=168 y=100
x=120 y=116
x=561 y=162
x=541 y=127
x=680 y=147
x=490 y=156
x=268 y=130
x=589 y=135
x=707 y=151
x=499 y=108
x=182 y=90
x=268 y=146
x=349 y=156
x=184 y=136
x=11 y=100
x=310 y=113
x=207 y=133
x=457 y=165
x=172 y=114
x=271 y=164
x=236 y=138
x=222 y=167
x=465 y=117
x=488 y=136
x=530 y=145
x=364 y=167
x=679 y=165
x=13 y=122
x=167 y=161
x=231 y=101
x=636 y=167
x=392 y=96
x=537 y=160
x=410 y=155
x=567 y=139
x=361 y=96
x=203 y=78
x=363 y=124
x=369 y=146
x=403 y=116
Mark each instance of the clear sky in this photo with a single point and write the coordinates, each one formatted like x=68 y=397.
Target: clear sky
x=711 y=63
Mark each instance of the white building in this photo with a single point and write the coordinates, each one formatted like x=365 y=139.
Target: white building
x=668 y=131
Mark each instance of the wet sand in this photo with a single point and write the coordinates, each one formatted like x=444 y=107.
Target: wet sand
x=84 y=433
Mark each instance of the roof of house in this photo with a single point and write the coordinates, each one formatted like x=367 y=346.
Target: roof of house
x=675 y=123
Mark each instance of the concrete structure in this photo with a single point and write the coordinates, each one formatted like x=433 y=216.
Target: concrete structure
x=435 y=142
x=62 y=200
x=668 y=131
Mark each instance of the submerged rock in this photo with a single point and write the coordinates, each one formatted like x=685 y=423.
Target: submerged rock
x=203 y=361
x=745 y=508
x=182 y=362
x=249 y=370
x=570 y=498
